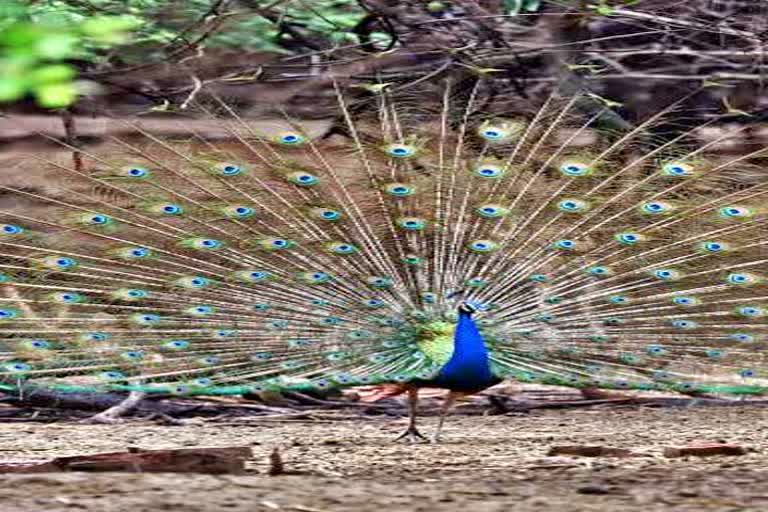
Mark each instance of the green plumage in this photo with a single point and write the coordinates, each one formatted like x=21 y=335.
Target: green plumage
x=282 y=261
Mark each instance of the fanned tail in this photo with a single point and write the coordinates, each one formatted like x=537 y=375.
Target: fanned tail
x=276 y=259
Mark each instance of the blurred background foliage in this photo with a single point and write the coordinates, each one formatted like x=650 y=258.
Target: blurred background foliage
x=122 y=56
x=43 y=44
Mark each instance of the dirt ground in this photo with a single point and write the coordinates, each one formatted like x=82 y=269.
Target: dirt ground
x=485 y=464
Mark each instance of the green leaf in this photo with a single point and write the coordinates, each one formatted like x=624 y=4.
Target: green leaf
x=50 y=74
x=20 y=35
x=531 y=5
x=100 y=27
x=56 y=46
x=11 y=89
x=11 y=9
x=55 y=95
x=513 y=6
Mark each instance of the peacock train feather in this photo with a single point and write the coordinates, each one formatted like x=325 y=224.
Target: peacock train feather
x=449 y=249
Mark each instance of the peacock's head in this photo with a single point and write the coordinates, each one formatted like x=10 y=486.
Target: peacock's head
x=468 y=307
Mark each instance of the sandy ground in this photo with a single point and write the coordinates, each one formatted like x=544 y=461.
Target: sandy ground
x=485 y=464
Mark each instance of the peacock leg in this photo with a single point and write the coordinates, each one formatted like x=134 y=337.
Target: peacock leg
x=411 y=434
x=448 y=402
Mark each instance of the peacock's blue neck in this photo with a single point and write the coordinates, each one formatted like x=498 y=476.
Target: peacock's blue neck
x=468 y=368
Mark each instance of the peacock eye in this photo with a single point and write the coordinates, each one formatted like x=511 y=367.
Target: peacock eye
x=227 y=169
x=684 y=324
x=202 y=243
x=69 y=298
x=97 y=219
x=303 y=179
x=39 y=344
x=343 y=378
x=400 y=150
x=677 y=170
x=11 y=229
x=742 y=278
x=314 y=277
x=491 y=211
x=411 y=223
x=599 y=271
x=254 y=276
x=429 y=298
x=94 y=336
x=735 y=212
x=750 y=311
x=399 y=190
x=330 y=215
x=483 y=246
x=412 y=259
x=496 y=132
x=685 y=301
x=134 y=171
x=275 y=244
x=629 y=238
x=342 y=248
x=193 y=282
x=238 y=212
x=656 y=208
x=61 y=263
x=7 y=313
x=575 y=169
x=742 y=337
x=566 y=245
x=573 y=206
x=172 y=209
x=714 y=247
x=140 y=253
x=714 y=353
x=380 y=282
x=489 y=171
x=290 y=138
x=132 y=355
x=374 y=303
x=667 y=274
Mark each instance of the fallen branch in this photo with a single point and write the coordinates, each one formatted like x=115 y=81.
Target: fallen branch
x=187 y=460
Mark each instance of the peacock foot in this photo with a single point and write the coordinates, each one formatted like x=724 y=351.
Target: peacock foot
x=412 y=435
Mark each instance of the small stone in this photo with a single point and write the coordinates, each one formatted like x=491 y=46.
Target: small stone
x=593 y=489
x=704 y=450
x=590 y=451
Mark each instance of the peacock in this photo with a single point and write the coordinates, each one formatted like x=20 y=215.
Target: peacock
x=407 y=247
